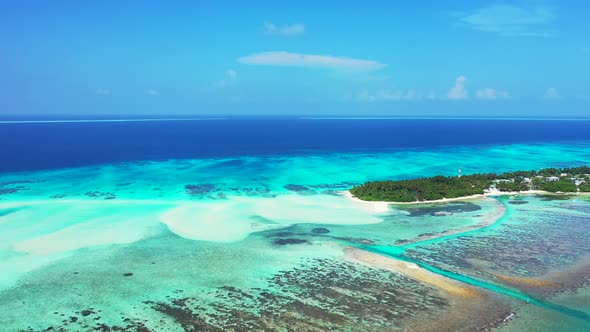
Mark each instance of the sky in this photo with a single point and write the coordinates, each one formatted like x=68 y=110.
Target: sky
x=341 y=58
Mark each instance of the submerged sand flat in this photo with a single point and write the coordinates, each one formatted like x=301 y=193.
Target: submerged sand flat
x=41 y=232
x=236 y=217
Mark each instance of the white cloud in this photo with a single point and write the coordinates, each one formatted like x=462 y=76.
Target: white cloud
x=552 y=93
x=509 y=20
x=491 y=94
x=231 y=77
x=285 y=30
x=153 y=92
x=103 y=91
x=458 y=91
x=287 y=59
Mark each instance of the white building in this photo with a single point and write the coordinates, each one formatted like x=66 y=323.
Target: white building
x=551 y=179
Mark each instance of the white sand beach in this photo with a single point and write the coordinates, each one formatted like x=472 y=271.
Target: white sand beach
x=490 y=193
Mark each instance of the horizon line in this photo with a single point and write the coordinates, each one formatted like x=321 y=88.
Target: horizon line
x=30 y=119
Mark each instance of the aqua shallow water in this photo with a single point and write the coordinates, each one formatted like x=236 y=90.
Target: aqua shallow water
x=399 y=252
x=536 y=235
x=187 y=228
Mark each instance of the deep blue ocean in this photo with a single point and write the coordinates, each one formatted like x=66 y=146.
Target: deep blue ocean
x=33 y=146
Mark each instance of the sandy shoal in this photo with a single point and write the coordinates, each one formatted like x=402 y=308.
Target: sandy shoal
x=411 y=270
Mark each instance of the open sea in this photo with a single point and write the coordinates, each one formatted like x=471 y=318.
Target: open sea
x=239 y=223
x=43 y=145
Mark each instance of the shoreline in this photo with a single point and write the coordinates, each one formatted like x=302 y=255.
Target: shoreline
x=350 y=196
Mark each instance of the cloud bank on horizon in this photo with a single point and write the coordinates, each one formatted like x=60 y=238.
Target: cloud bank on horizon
x=520 y=55
x=283 y=58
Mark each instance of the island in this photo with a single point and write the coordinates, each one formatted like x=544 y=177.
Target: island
x=551 y=180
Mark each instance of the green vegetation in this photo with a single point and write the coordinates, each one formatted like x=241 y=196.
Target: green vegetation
x=584 y=187
x=563 y=185
x=438 y=187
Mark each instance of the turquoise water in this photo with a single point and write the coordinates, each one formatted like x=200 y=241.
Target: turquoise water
x=399 y=253
x=546 y=233
x=163 y=245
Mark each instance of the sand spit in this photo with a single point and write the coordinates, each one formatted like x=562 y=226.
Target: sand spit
x=376 y=207
x=523 y=281
x=413 y=271
x=488 y=220
x=470 y=309
x=570 y=277
x=565 y=279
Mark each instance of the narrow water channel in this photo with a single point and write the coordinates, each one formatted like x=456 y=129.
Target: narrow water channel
x=399 y=253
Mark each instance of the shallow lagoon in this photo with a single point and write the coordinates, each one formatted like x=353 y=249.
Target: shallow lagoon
x=243 y=243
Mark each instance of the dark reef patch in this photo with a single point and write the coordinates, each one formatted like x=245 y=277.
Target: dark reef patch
x=219 y=196
x=440 y=209
x=100 y=194
x=281 y=234
x=287 y=241
x=320 y=230
x=87 y=312
x=517 y=202
x=335 y=186
x=11 y=183
x=199 y=189
x=13 y=190
x=296 y=187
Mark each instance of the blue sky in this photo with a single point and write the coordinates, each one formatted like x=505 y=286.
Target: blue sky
x=476 y=58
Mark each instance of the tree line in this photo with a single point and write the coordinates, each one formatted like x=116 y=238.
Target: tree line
x=438 y=187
